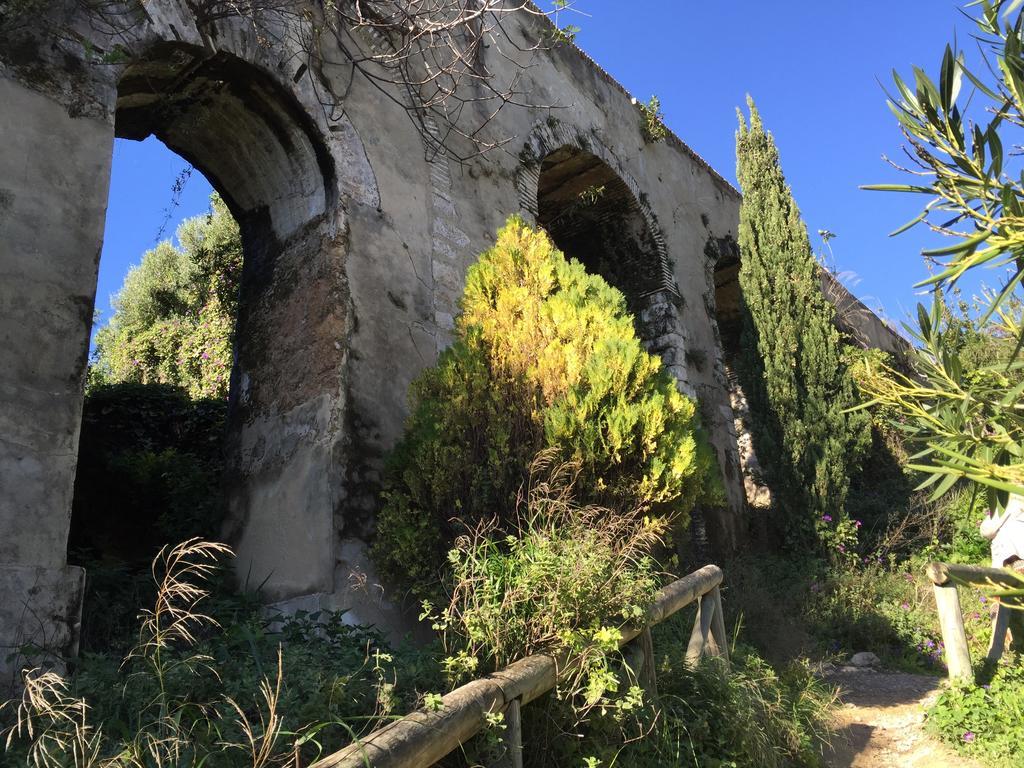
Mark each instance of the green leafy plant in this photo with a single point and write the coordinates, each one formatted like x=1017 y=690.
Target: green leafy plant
x=211 y=679
x=985 y=722
x=653 y=125
x=963 y=418
x=545 y=357
x=966 y=417
x=793 y=369
x=747 y=714
x=561 y=579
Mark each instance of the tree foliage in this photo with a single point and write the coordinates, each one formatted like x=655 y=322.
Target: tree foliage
x=965 y=414
x=960 y=406
x=174 y=316
x=792 y=365
x=545 y=357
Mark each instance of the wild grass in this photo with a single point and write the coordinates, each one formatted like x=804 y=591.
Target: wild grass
x=562 y=578
x=743 y=714
x=193 y=692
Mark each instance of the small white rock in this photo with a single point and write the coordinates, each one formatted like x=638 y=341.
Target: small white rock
x=865 y=659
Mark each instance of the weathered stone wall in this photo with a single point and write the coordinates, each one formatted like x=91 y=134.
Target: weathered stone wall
x=357 y=239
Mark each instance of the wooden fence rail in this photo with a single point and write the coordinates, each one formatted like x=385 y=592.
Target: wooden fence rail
x=945 y=577
x=423 y=737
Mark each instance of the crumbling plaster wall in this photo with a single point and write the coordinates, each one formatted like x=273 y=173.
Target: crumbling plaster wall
x=349 y=290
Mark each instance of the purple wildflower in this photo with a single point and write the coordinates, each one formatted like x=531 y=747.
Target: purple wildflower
x=969 y=736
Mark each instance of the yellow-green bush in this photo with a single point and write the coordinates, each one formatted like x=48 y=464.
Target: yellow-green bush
x=545 y=357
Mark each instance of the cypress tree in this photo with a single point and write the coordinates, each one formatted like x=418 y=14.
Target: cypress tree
x=792 y=366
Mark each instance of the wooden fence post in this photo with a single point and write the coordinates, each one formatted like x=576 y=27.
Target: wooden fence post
x=512 y=756
x=999 y=627
x=648 y=677
x=958 y=655
x=638 y=657
x=718 y=624
x=701 y=630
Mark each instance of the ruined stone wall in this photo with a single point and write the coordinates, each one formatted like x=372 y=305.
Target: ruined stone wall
x=859 y=325
x=357 y=240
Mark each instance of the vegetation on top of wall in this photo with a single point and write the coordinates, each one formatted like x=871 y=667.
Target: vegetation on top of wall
x=545 y=357
x=792 y=365
x=174 y=317
x=653 y=125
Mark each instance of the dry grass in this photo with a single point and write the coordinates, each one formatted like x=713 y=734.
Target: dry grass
x=55 y=724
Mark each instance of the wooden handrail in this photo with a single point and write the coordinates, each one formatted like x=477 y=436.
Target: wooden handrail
x=974 y=575
x=423 y=737
x=945 y=577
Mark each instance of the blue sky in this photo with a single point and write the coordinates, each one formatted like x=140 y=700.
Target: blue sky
x=815 y=69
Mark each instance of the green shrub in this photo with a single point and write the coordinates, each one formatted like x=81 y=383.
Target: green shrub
x=545 y=357
x=563 y=583
x=563 y=580
x=149 y=472
x=985 y=722
x=789 y=608
x=875 y=608
x=747 y=715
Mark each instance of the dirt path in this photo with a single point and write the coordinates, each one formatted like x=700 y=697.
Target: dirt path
x=882 y=722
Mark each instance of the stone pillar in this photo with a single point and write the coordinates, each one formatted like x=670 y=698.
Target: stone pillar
x=288 y=417
x=54 y=178
x=661 y=331
x=661 y=328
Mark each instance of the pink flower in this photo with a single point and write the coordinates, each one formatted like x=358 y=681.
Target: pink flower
x=827 y=518
x=905 y=606
x=858 y=523
x=969 y=736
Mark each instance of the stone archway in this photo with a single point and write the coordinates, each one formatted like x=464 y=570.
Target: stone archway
x=268 y=159
x=595 y=213
x=257 y=130
x=592 y=215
